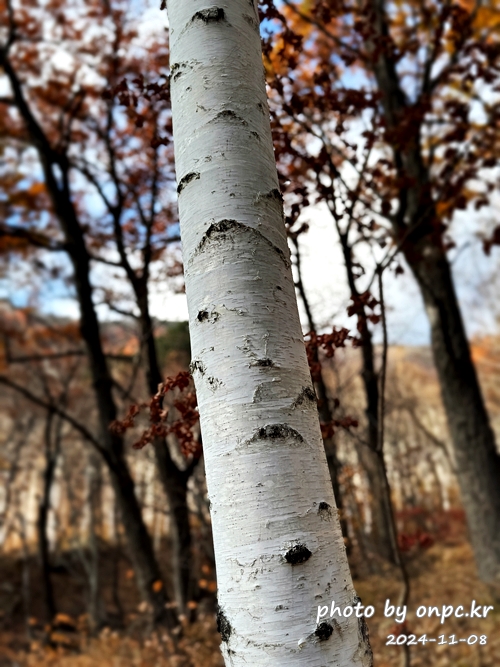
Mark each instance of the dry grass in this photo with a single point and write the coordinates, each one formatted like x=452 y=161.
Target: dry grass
x=440 y=576
x=198 y=646
x=443 y=575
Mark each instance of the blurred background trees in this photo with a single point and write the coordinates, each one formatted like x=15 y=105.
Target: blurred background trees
x=393 y=160
x=386 y=125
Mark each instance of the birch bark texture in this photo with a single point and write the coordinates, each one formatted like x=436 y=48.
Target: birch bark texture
x=278 y=546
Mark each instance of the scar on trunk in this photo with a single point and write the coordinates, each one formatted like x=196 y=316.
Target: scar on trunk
x=272 y=194
x=273 y=432
x=192 y=176
x=251 y=21
x=219 y=230
x=214 y=383
x=324 y=631
x=365 y=641
x=325 y=511
x=277 y=432
x=175 y=70
x=207 y=316
x=306 y=395
x=299 y=553
x=210 y=15
x=264 y=363
x=227 y=114
x=223 y=625
x=197 y=365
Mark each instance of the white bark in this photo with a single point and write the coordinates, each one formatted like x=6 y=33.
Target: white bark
x=268 y=482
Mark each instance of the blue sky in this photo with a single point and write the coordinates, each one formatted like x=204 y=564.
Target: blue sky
x=474 y=273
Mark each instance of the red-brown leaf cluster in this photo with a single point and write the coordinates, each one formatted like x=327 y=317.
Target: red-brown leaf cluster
x=160 y=425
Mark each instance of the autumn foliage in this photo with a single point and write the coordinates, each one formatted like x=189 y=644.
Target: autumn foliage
x=86 y=139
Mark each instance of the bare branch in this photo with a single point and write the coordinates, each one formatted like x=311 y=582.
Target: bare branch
x=55 y=409
x=321 y=28
x=383 y=367
x=33 y=237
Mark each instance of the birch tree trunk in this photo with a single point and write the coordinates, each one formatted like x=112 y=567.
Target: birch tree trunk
x=278 y=545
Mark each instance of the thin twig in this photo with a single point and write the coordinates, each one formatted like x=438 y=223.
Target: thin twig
x=383 y=367
x=56 y=409
x=405 y=592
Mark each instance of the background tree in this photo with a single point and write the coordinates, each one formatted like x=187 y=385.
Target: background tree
x=116 y=133
x=22 y=53
x=418 y=106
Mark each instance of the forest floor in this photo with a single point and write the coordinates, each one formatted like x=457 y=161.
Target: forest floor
x=442 y=575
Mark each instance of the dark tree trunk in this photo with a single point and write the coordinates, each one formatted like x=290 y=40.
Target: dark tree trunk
x=372 y=456
x=43 y=513
x=56 y=162
x=371 y=453
x=139 y=542
x=334 y=466
x=138 y=538
x=95 y=606
x=418 y=229
x=477 y=460
x=325 y=413
x=381 y=503
x=174 y=480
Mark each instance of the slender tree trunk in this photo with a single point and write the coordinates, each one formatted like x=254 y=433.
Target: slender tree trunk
x=382 y=540
x=174 y=480
x=278 y=545
x=477 y=460
x=117 y=557
x=139 y=541
x=371 y=459
x=42 y=519
x=417 y=227
x=96 y=607
x=25 y=574
x=334 y=465
x=180 y=532
x=325 y=413
x=56 y=170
